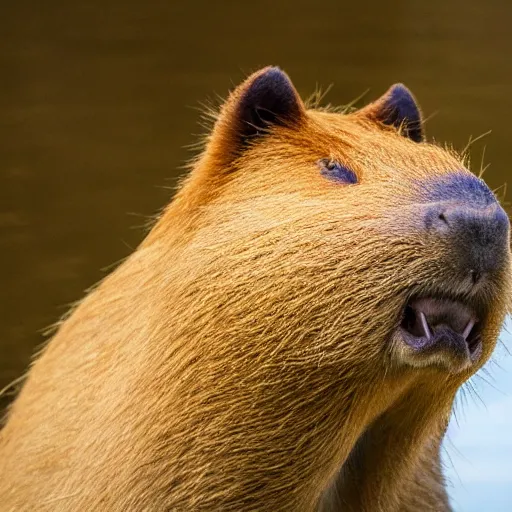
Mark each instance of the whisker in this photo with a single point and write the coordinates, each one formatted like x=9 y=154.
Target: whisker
x=472 y=141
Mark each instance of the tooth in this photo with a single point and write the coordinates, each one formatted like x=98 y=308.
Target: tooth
x=468 y=328
x=425 y=326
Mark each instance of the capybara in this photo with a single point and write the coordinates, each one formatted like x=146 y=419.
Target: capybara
x=290 y=335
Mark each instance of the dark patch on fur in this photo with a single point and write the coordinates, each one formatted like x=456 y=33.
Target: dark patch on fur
x=459 y=187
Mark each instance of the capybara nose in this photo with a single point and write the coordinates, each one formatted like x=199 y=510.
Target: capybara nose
x=479 y=235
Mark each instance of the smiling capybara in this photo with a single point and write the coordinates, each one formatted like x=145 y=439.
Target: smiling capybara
x=289 y=337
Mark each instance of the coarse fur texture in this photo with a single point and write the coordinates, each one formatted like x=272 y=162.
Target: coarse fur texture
x=242 y=357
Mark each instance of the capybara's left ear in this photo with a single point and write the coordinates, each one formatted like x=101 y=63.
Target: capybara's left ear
x=264 y=100
x=398 y=108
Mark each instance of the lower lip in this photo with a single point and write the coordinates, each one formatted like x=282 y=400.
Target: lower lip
x=444 y=342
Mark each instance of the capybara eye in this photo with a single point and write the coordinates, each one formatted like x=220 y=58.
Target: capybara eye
x=334 y=170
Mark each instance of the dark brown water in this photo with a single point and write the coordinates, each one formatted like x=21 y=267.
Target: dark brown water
x=98 y=100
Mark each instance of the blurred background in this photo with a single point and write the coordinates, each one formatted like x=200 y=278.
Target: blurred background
x=100 y=98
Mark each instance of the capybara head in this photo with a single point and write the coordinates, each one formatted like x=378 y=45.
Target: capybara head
x=343 y=241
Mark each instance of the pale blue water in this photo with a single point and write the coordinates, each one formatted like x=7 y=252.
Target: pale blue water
x=478 y=450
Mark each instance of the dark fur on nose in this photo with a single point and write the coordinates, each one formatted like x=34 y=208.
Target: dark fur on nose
x=479 y=234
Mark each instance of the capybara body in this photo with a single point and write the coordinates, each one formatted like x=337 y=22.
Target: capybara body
x=286 y=337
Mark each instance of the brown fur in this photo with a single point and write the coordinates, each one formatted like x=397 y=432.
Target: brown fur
x=240 y=358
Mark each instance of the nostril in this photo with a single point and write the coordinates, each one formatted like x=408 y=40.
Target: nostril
x=475 y=276
x=436 y=218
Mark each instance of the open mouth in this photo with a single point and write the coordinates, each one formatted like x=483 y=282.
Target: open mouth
x=447 y=329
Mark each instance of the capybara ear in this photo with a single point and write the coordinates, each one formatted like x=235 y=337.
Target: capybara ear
x=266 y=99
x=398 y=108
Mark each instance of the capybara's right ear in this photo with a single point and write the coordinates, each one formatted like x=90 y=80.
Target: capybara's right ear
x=266 y=99
x=397 y=108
